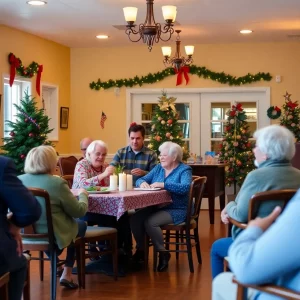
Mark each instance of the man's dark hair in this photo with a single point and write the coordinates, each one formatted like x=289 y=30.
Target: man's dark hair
x=135 y=128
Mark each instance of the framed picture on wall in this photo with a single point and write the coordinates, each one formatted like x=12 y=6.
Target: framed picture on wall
x=64 y=117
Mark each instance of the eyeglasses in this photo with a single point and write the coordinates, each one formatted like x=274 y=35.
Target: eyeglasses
x=84 y=149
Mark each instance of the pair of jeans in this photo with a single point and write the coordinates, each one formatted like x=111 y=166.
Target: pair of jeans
x=219 y=251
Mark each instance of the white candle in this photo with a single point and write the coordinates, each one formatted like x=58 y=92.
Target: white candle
x=129 y=182
x=122 y=182
x=113 y=182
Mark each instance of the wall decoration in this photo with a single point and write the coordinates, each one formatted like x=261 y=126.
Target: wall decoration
x=193 y=69
x=274 y=112
x=28 y=72
x=64 y=117
x=103 y=119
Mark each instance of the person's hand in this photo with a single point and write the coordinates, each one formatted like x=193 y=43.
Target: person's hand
x=16 y=235
x=265 y=223
x=109 y=170
x=157 y=185
x=224 y=216
x=9 y=215
x=145 y=185
x=83 y=191
x=138 y=172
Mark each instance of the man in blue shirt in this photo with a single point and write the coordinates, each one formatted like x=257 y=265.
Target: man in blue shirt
x=265 y=253
x=135 y=158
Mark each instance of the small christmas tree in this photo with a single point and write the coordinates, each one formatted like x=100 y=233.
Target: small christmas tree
x=236 y=150
x=165 y=126
x=30 y=130
x=290 y=117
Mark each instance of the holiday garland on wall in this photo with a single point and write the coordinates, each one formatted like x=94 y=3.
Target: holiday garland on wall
x=28 y=72
x=193 y=69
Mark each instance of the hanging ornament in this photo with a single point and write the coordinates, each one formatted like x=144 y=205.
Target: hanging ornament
x=22 y=156
x=170 y=121
x=168 y=134
x=31 y=134
x=26 y=120
x=12 y=133
x=163 y=122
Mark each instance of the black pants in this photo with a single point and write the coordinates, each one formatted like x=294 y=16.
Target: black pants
x=122 y=225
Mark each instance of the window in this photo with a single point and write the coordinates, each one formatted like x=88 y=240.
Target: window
x=13 y=95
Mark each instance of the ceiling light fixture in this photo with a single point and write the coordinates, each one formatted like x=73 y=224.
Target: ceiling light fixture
x=150 y=31
x=178 y=61
x=246 y=31
x=102 y=36
x=36 y=2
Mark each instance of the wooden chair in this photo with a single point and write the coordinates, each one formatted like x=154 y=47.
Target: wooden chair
x=183 y=229
x=35 y=241
x=282 y=196
x=93 y=235
x=267 y=288
x=69 y=179
x=67 y=165
x=4 y=279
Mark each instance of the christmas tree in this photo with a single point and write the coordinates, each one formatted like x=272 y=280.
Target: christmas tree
x=236 y=150
x=165 y=126
x=290 y=117
x=30 y=130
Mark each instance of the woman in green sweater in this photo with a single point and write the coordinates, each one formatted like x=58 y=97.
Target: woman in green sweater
x=39 y=167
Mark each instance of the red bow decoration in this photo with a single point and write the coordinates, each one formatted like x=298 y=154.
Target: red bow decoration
x=183 y=70
x=237 y=107
x=277 y=108
x=38 y=79
x=292 y=105
x=14 y=64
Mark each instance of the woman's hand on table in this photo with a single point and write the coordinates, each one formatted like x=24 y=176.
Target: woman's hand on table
x=145 y=185
x=157 y=185
x=83 y=191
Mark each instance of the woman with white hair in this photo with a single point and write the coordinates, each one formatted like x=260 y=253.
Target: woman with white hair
x=93 y=170
x=175 y=177
x=275 y=147
x=40 y=165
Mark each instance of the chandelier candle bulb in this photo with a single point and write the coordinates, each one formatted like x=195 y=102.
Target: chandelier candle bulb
x=122 y=182
x=129 y=182
x=169 y=12
x=113 y=182
x=189 y=50
x=130 y=14
x=166 y=51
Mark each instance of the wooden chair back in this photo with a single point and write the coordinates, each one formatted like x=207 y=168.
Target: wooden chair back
x=67 y=165
x=69 y=179
x=4 y=279
x=282 y=196
x=31 y=233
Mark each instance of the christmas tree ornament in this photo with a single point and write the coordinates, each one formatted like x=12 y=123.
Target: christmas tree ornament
x=25 y=120
x=168 y=134
x=12 y=133
x=163 y=122
x=170 y=121
x=31 y=134
x=22 y=156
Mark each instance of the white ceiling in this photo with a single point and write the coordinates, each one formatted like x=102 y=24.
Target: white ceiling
x=75 y=23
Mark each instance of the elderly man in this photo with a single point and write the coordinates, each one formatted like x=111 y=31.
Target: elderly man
x=84 y=143
x=135 y=158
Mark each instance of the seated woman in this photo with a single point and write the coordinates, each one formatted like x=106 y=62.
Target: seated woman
x=174 y=176
x=275 y=147
x=39 y=167
x=94 y=171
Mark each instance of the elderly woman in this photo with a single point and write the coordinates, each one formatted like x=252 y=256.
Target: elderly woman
x=39 y=167
x=275 y=147
x=93 y=170
x=174 y=176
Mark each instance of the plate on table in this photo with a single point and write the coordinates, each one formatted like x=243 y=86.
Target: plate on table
x=147 y=189
x=99 y=192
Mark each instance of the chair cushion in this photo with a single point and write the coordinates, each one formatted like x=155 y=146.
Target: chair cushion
x=35 y=241
x=93 y=231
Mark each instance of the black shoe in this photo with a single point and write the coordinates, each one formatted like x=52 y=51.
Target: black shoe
x=164 y=258
x=138 y=256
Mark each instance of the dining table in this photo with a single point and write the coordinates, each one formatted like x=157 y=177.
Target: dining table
x=116 y=203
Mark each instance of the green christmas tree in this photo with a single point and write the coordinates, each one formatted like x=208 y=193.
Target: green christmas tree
x=30 y=130
x=236 y=149
x=290 y=117
x=165 y=126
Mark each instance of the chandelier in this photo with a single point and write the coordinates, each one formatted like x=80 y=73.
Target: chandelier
x=178 y=61
x=150 y=31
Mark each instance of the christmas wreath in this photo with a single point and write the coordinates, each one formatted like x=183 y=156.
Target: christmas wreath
x=274 y=112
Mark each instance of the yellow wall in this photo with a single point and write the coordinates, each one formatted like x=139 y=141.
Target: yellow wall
x=88 y=65
x=56 y=61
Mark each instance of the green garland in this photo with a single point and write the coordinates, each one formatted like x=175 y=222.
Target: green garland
x=195 y=70
x=27 y=72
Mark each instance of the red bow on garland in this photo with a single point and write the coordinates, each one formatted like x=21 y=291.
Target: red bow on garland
x=38 y=79
x=14 y=64
x=292 y=105
x=183 y=70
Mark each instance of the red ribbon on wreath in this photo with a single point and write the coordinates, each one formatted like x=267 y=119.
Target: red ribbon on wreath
x=182 y=71
x=38 y=79
x=14 y=64
x=277 y=108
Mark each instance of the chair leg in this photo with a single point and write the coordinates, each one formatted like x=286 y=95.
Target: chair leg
x=53 y=262
x=114 y=245
x=189 y=251
x=146 y=249
x=177 y=245
x=78 y=262
x=41 y=264
x=82 y=260
x=167 y=239
x=26 y=290
x=154 y=259
x=182 y=236
x=197 y=242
